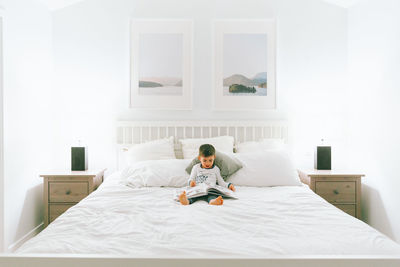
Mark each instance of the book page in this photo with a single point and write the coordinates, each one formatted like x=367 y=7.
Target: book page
x=205 y=189
x=196 y=191
x=217 y=189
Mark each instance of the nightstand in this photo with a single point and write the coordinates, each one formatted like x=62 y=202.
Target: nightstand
x=62 y=190
x=341 y=189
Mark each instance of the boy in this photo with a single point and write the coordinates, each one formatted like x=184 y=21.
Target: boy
x=206 y=172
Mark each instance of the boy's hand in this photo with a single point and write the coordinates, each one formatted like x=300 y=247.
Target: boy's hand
x=192 y=183
x=231 y=187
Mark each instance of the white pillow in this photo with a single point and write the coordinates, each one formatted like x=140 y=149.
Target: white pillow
x=170 y=172
x=152 y=150
x=263 y=144
x=265 y=168
x=273 y=143
x=190 y=146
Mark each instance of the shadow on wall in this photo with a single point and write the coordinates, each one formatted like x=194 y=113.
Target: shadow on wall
x=371 y=197
x=33 y=208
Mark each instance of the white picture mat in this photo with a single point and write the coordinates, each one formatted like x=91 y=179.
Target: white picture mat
x=222 y=27
x=183 y=101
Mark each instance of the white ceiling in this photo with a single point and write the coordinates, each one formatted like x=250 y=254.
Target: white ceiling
x=343 y=3
x=57 y=4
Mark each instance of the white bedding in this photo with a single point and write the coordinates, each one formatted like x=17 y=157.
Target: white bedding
x=146 y=222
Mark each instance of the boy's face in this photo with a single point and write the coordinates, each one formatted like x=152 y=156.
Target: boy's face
x=207 y=162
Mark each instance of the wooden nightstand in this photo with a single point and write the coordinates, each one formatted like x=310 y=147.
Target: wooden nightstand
x=342 y=189
x=62 y=190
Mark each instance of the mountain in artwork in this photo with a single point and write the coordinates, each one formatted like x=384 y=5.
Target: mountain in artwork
x=149 y=84
x=258 y=80
x=165 y=81
x=238 y=79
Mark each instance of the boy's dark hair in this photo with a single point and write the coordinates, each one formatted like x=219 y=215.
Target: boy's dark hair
x=206 y=150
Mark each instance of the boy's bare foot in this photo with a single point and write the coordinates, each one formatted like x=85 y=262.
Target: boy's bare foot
x=217 y=201
x=183 y=198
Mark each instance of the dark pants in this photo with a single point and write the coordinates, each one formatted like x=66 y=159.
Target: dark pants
x=207 y=198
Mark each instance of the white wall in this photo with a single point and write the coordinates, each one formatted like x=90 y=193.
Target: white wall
x=374 y=95
x=1 y=136
x=91 y=55
x=27 y=114
x=90 y=41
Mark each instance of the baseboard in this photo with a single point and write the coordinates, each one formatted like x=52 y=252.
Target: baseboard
x=14 y=246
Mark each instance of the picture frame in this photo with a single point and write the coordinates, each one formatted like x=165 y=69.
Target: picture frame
x=161 y=64
x=244 y=64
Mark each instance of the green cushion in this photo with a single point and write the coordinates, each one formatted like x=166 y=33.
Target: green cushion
x=228 y=165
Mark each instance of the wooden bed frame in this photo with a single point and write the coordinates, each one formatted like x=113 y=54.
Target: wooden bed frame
x=136 y=132
x=129 y=133
x=132 y=132
x=60 y=260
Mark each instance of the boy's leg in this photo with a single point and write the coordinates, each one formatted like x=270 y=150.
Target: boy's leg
x=215 y=200
x=194 y=199
x=211 y=197
x=187 y=201
x=183 y=198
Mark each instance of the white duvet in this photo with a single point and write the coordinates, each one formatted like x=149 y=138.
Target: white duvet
x=146 y=222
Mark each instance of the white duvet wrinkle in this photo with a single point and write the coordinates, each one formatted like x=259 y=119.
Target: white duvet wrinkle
x=146 y=222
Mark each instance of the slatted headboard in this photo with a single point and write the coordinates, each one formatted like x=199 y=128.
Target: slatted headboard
x=135 y=132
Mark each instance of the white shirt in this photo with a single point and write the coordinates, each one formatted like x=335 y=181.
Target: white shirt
x=209 y=176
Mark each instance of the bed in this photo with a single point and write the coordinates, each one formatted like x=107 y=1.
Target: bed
x=288 y=222
x=265 y=221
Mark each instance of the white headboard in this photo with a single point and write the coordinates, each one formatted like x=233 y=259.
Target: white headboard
x=135 y=132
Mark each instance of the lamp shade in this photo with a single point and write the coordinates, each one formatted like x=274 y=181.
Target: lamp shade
x=322 y=158
x=79 y=158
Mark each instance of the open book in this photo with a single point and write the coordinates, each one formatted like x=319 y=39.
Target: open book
x=204 y=189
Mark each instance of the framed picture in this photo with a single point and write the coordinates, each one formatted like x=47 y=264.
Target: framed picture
x=161 y=64
x=244 y=62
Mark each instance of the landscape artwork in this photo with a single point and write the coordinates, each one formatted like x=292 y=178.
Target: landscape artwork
x=245 y=64
x=160 y=64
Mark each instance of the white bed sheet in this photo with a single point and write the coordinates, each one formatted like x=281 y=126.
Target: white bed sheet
x=146 y=222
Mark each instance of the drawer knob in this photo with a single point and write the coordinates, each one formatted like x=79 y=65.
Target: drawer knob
x=336 y=192
x=68 y=192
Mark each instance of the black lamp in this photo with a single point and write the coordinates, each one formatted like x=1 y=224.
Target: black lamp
x=79 y=158
x=322 y=157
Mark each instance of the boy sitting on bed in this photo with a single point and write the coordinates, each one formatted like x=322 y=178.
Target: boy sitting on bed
x=205 y=172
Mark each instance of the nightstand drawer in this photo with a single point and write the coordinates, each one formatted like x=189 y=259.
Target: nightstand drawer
x=337 y=192
x=68 y=191
x=56 y=210
x=63 y=189
x=349 y=209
